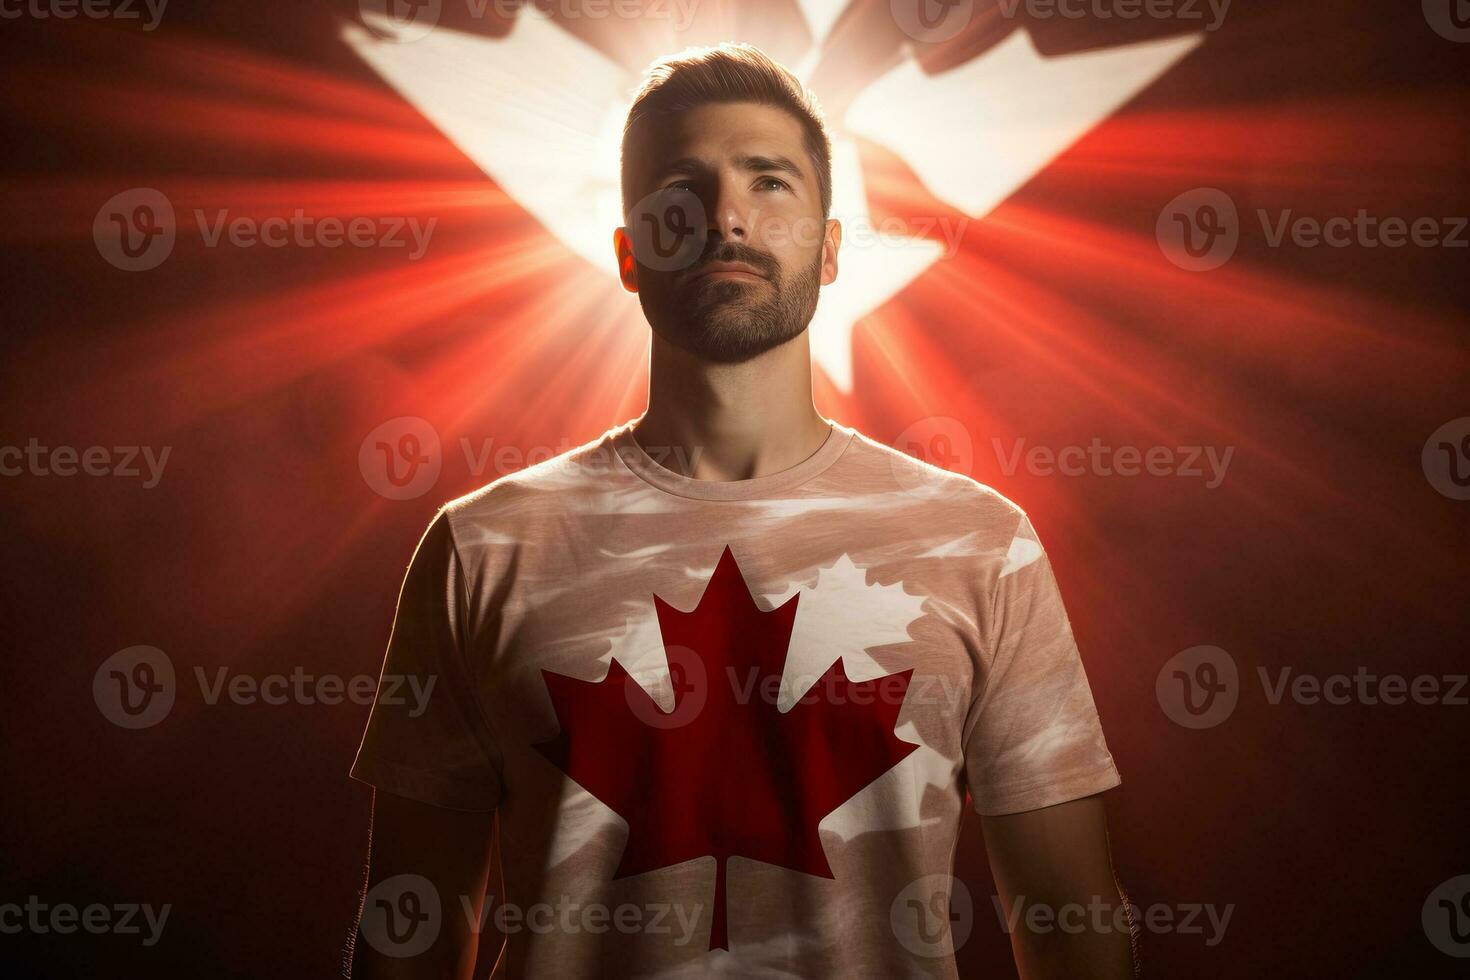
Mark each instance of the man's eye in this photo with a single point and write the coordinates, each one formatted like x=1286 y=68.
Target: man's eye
x=765 y=183
x=680 y=185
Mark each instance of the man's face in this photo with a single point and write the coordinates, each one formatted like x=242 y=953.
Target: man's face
x=766 y=247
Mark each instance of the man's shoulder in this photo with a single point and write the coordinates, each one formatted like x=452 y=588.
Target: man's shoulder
x=929 y=485
x=541 y=486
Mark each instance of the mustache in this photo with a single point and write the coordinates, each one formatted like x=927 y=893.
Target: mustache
x=735 y=252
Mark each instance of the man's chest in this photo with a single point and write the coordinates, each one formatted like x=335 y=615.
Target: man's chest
x=805 y=669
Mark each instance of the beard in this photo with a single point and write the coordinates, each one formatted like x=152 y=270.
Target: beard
x=729 y=321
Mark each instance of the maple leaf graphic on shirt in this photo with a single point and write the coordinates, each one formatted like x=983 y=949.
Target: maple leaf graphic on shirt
x=726 y=773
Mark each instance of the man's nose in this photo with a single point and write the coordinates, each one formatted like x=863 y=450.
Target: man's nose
x=728 y=217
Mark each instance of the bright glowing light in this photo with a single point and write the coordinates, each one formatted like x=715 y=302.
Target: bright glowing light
x=550 y=139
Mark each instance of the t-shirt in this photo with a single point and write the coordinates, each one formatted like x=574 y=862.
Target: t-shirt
x=730 y=728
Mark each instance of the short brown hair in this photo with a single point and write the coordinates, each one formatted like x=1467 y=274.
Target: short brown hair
x=729 y=72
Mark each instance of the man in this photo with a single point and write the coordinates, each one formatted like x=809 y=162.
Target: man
x=729 y=674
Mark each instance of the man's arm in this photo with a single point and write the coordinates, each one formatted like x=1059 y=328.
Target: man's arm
x=451 y=848
x=1056 y=860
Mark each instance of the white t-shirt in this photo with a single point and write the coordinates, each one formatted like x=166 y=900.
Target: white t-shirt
x=730 y=727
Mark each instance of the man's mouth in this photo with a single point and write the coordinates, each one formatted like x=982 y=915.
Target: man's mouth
x=732 y=271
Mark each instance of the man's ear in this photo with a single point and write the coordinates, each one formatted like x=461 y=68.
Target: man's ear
x=627 y=267
x=831 y=241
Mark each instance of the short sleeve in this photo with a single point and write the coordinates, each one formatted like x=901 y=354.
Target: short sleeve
x=427 y=738
x=1033 y=737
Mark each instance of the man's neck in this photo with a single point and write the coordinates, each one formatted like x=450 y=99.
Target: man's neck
x=731 y=421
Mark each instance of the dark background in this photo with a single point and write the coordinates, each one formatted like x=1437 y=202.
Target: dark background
x=263 y=547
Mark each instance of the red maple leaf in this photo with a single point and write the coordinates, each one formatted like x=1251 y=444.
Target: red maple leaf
x=725 y=774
